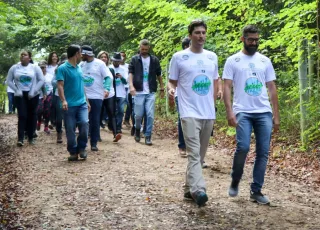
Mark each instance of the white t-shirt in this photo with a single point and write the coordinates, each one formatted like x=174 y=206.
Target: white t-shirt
x=51 y=69
x=249 y=75
x=25 y=75
x=126 y=67
x=9 y=90
x=94 y=73
x=195 y=73
x=120 y=87
x=47 y=83
x=145 y=66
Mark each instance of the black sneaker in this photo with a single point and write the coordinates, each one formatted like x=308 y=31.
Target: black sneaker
x=31 y=142
x=83 y=154
x=200 y=198
x=234 y=188
x=133 y=129
x=35 y=135
x=187 y=196
x=73 y=157
x=20 y=143
x=148 y=140
x=259 y=198
x=94 y=148
x=137 y=135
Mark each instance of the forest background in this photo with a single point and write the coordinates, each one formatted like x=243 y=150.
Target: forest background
x=289 y=36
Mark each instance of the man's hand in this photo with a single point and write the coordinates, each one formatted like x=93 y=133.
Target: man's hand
x=171 y=92
x=106 y=93
x=132 y=91
x=44 y=97
x=118 y=75
x=276 y=125
x=89 y=106
x=220 y=95
x=64 y=105
x=232 y=120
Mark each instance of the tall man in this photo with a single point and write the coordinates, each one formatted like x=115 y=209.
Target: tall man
x=144 y=71
x=74 y=103
x=128 y=95
x=97 y=80
x=250 y=73
x=195 y=72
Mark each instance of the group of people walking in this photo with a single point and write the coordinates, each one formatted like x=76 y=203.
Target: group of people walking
x=87 y=94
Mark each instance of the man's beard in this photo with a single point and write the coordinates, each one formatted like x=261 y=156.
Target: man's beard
x=251 y=49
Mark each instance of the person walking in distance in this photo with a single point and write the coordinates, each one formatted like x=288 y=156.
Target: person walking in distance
x=252 y=76
x=194 y=71
x=144 y=71
x=121 y=81
x=75 y=105
x=128 y=112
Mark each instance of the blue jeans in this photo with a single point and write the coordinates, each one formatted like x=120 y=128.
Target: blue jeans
x=262 y=127
x=144 y=103
x=76 y=116
x=121 y=102
x=94 y=120
x=181 y=144
x=12 y=108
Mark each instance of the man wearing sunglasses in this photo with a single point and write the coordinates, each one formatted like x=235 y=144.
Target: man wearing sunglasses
x=252 y=76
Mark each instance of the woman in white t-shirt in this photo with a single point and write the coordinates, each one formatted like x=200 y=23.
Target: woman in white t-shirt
x=26 y=80
x=53 y=61
x=47 y=99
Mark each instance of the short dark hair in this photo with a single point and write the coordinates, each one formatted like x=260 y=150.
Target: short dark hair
x=72 y=50
x=144 y=42
x=249 y=29
x=185 y=43
x=196 y=23
x=50 y=57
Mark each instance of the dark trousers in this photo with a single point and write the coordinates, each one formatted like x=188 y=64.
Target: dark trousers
x=53 y=111
x=12 y=106
x=94 y=120
x=129 y=108
x=27 y=115
x=59 y=113
x=110 y=106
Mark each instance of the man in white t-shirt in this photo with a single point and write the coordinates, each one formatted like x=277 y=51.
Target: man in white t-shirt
x=252 y=76
x=195 y=72
x=95 y=74
x=121 y=81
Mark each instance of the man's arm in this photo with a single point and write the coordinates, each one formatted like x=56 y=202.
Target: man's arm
x=131 y=87
x=275 y=105
x=220 y=89
x=172 y=85
x=215 y=90
x=161 y=86
x=60 y=87
x=232 y=121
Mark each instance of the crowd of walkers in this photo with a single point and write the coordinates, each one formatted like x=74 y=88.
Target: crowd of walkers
x=86 y=93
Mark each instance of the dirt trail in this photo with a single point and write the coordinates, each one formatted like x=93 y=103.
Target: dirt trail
x=128 y=185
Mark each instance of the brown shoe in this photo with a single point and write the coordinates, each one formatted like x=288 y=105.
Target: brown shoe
x=117 y=137
x=183 y=153
x=59 y=138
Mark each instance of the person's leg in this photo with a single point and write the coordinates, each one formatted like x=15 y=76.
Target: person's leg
x=149 y=109
x=181 y=144
x=102 y=117
x=70 y=125
x=262 y=127
x=47 y=108
x=32 y=116
x=205 y=135
x=129 y=108
x=39 y=113
x=21 y=103
x=139 y=106
x=52 y=113
x=59 y=114
x=110 y=107
x=83 y=125
x=195 y=183
x=120 y=111
x=94 y=115
x=10 y=99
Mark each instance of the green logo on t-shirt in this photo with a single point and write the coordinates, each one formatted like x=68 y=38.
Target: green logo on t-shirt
x=145 y=77
x=118 y=81
x=253 y=86
x=88 y=81
x=201 y=85
x=25 y=80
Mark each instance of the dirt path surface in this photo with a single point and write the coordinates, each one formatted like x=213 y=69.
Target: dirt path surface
x=128 y=185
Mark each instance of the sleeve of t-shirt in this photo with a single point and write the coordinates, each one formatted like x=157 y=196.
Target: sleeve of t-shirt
x=228 y=70
x=59 y=75
x=270 y=73
x=105 y=72
x=173 y=69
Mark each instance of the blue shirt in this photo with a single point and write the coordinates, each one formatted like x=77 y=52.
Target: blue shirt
x=73 y=84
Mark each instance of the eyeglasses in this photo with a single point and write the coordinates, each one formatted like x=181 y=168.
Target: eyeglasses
x=251 y=40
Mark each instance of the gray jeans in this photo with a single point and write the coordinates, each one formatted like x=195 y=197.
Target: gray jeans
x=197 y=134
